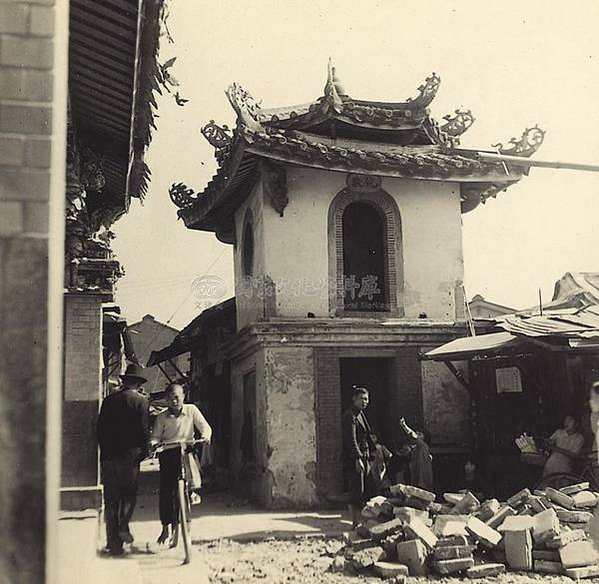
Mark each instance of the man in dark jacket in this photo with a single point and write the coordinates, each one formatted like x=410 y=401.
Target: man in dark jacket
x=123 y=436
x=358 y=450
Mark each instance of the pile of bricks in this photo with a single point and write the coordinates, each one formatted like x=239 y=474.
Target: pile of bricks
x=409 y=533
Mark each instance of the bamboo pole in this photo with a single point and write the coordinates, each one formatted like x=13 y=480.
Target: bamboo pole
x=529 y=162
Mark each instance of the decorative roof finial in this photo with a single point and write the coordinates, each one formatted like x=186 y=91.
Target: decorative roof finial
x=337 y=82
x=458 y=123
x=526 y=146
x=333 y=89
x=219 y=137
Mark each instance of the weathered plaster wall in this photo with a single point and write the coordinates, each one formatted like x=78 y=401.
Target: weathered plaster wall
x=295 y=245
x=446 y=404
x=257 y=484
x=432 y=245
x=295 y=250
x=291 y=425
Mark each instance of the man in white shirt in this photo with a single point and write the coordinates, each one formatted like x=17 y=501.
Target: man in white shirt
x=176 y=424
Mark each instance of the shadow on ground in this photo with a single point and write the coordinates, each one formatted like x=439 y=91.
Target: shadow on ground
x=221 y=516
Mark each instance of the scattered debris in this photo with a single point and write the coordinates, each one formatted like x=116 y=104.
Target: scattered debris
x=408 y=533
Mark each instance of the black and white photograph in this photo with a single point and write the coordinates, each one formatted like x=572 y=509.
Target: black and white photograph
x=299 y=292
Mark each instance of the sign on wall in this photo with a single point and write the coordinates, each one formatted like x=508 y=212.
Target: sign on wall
x=508 y=380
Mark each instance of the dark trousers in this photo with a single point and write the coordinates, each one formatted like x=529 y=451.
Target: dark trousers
x=120 y=478
x=361 y=486
x=170 y=471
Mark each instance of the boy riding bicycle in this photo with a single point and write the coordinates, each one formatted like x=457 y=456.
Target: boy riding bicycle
x=176 y=424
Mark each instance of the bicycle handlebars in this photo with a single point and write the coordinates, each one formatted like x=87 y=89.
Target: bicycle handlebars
x=161 y=446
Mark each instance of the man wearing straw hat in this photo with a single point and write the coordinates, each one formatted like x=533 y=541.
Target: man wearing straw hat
x=123 y=436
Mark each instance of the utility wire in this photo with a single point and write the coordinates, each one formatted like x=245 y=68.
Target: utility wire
x=151 y=342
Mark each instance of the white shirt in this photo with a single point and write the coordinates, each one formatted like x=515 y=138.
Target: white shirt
x=169 y=427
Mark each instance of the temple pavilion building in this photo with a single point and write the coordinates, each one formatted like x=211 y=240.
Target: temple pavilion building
x=345 y=220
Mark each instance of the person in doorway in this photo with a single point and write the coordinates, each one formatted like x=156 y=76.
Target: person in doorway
x=357 y=453
x=123 y=434
x=565 y=445
x=473 y=480
x=175 y=424
x=421 y=464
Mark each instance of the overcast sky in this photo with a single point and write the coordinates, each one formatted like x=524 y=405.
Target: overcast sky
x=513 y=63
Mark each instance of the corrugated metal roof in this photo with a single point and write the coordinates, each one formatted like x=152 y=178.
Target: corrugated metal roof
x=571 y=322
x=573 y=312
x=581 y=324
x=575 y=290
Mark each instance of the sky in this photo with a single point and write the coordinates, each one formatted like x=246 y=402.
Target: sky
x=513 y=63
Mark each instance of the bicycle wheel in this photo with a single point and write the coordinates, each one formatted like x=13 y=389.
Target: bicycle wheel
x=558 y=480
x=184 y=520
x=591 y=474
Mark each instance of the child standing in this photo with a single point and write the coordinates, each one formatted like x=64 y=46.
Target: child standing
x=381 y=456
x=421 y=465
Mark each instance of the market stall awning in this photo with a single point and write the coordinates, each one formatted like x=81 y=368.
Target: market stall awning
x=216 y=321
x=468 y=347
x=173 y=350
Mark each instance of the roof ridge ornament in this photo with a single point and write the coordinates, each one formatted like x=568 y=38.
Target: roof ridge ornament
x=245 y=105
x=427 y=92
x=525 y=146
x=456 y=124
x=182 y=196
x=219 y=138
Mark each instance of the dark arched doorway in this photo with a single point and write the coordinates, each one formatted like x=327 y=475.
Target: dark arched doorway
x=364 y=259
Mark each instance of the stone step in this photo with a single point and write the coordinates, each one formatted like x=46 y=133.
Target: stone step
x=101 y=571
x=78 y=533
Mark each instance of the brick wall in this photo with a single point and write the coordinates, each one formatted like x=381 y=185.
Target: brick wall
x=328 y=421
x=82 y=388
x=28 y=103
x=26 y=93
x=405 y=399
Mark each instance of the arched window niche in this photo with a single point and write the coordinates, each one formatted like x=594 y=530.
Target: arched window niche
x=247 y=246
x=365 y=252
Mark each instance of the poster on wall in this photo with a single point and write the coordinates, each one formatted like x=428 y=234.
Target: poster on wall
x=508 y=380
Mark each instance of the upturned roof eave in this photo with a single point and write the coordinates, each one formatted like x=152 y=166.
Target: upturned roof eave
x=203 y=213
x=390 y=172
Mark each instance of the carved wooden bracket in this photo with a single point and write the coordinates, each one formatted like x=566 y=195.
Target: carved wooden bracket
x=225 y=232
x=275 y=185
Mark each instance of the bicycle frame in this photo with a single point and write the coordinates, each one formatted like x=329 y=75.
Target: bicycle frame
x=182 y=494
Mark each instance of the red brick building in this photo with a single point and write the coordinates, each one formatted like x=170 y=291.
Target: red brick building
x=345 y=217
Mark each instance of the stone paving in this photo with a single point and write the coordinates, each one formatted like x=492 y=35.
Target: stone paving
x=235 y=543
x=218 y=517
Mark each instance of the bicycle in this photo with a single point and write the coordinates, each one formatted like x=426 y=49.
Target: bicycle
x=183 y=496
x=589 y=473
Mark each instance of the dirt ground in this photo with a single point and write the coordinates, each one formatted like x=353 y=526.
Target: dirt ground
x=309 y=560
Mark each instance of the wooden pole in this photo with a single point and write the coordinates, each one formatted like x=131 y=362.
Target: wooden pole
x=519 y=161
